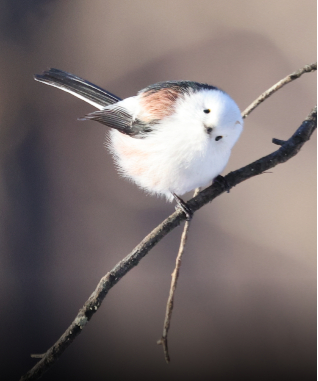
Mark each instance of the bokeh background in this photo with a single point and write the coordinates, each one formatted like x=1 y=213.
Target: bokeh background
x=246 y=299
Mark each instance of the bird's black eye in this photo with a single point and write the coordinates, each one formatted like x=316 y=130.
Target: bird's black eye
x=218 y=138
x=207 y=110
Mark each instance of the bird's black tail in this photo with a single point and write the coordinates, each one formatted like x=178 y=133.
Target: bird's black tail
x=77 y=86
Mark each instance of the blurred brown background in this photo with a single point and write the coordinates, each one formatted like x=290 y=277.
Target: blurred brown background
x=246 y=299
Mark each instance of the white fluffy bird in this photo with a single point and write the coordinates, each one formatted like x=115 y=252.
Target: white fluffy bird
x=170 y=138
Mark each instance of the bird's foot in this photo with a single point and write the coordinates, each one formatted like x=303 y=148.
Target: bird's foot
x=183 y=206
x=223 y=182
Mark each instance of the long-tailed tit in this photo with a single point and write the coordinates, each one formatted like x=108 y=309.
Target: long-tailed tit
x=170 y=138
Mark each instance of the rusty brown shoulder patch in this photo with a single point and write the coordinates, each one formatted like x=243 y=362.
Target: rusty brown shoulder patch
x=158 y=105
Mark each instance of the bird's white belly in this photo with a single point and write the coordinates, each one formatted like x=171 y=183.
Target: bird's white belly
x=166 y=168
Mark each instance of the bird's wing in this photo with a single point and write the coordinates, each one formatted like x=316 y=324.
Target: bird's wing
x=119 y=118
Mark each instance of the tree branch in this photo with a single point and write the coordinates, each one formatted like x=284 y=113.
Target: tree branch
x=289 y=149
x=291 y=77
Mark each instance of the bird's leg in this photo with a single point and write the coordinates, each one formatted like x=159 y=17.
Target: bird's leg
x=223 y=182
x=183 y=206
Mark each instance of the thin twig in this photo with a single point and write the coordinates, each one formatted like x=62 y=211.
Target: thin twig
x=278 y=142
x=291 y=77
x=175 y=275
x=38 y=356
x=166 y=325
x=284 y=153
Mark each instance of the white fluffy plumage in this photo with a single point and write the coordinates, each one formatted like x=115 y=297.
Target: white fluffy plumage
x=180 y=154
